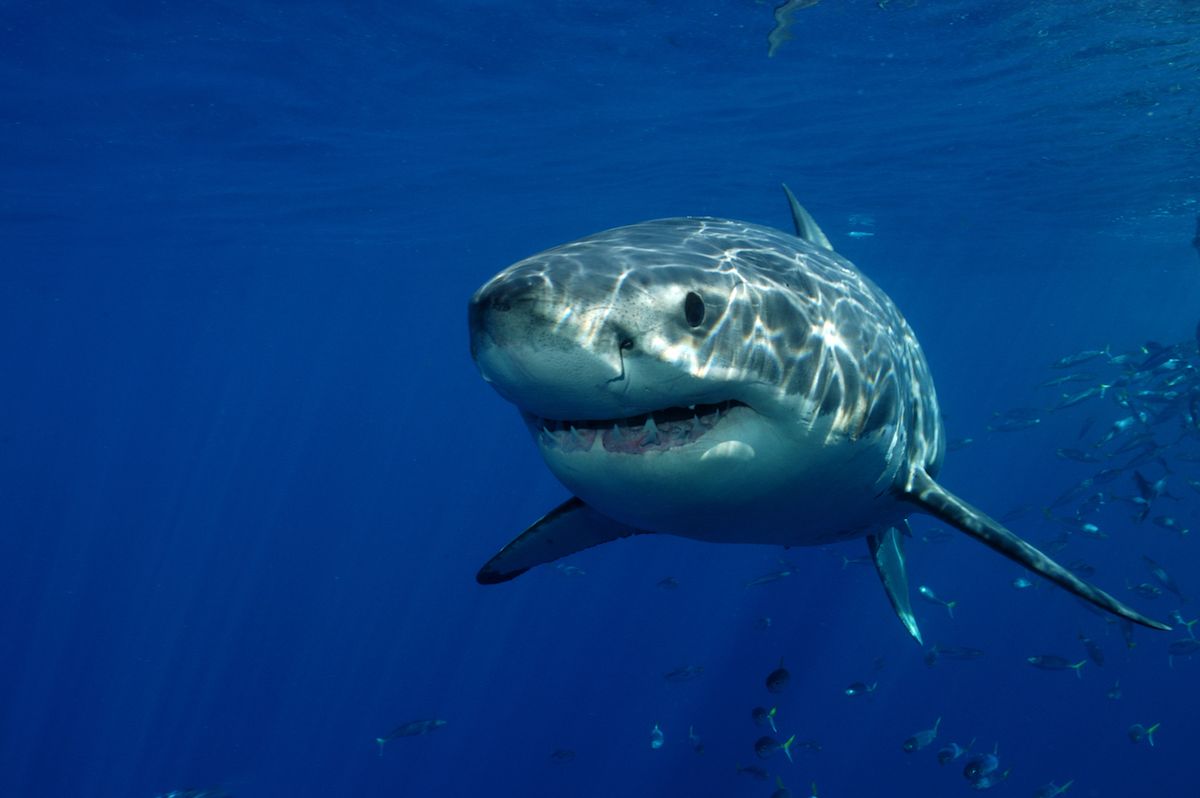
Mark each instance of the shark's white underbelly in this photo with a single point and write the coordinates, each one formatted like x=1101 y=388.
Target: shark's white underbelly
x=808 y=495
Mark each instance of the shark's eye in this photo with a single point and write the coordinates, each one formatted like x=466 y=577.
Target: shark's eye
x=693 y=309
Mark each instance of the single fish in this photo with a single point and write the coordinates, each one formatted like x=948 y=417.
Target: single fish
x=1177 y=617
x=764 y=717
x=1143 y=441
x=1081 y=567
x=859 y=688
x=1158 y=397
x=684 y=673
x=753 y=771
x=562 y=755
x=777 y=680
x=1137 y=733
x=1078 y=455
x=656 y=737
x=1070 y=400
x=1092 y=504
x=1085 y=528
x=693 y=738
x=964 y=653
x=1058 y=543
x=1119 y=426
x=1150 y=490
x=981 y=765
x=1093 y=649
x=569 y=570
x=1001 y=424
x=1126 y=632
x=927 y=593
x=951 y=752
x=774 y=576
x=1146 y=590
x=1015 y=513
x=922 y=738
x=1107 y=475
x=765 y=747
x=1184 y=648
x=413 y=728
x=1080 y=357
x=1167 y=522
x=1052 y=662
x=1076 y=491
x=1163 y=578
x=1077 y=377
x=990 y=780
x=937 y=536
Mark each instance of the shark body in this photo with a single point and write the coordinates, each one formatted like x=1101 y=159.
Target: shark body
x=726 y=382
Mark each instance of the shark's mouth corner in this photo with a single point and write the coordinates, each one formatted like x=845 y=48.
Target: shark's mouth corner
x=656 y=431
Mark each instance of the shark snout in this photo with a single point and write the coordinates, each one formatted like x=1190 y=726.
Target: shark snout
x=544 y=355
x=501 y=310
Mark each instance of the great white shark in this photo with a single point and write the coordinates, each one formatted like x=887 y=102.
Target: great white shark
x=726 y=382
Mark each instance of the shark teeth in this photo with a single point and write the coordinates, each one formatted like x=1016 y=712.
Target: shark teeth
x=582 y=442
x=649 y=432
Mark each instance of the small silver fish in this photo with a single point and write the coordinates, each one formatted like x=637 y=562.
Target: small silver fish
x=413 y=728
x=922 y=738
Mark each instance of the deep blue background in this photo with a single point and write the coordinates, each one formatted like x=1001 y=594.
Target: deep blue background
x=247 y=470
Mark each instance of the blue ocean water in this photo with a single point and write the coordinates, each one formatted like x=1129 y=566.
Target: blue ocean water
x=249 y=470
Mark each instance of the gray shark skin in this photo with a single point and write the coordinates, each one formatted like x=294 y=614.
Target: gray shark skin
x=726 y=382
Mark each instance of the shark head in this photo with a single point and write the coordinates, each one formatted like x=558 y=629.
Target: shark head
x=609 y=328
x=675 y=373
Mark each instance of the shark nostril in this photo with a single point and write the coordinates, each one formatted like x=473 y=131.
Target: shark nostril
x=626 y=344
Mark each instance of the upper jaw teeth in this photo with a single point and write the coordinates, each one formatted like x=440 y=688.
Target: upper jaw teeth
x=657 y=431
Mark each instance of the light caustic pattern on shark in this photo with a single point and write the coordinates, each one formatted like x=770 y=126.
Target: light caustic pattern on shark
x=811 y=327
x=727 y=382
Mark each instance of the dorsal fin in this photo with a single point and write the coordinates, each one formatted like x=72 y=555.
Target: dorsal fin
x=806 y=228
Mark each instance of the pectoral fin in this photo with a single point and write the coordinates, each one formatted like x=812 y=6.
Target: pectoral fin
x=568 y=528
x=888 y=553
x=939 y=502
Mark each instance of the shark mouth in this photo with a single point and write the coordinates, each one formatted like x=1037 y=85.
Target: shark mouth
x=656 y=431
